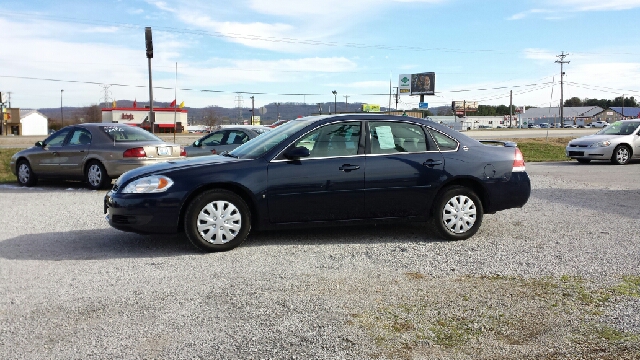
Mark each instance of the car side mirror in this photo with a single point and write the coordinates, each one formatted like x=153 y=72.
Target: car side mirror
x=197 y=143
x=296 y=153
x=40 y=144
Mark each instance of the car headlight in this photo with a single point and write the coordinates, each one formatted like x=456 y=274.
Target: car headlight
x=148 y=184
x=601 y=144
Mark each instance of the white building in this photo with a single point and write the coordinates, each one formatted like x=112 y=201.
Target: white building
x=33 y=123
x=140 y=117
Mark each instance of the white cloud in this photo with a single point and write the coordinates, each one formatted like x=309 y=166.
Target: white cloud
x=595 y=5
x=101 y=29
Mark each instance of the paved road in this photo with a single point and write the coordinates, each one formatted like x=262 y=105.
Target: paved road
x=597 y=174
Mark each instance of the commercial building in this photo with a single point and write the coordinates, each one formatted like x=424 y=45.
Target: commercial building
x=33 y=123
x=164 y=122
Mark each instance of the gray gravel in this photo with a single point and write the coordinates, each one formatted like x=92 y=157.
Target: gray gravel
x=72 y=287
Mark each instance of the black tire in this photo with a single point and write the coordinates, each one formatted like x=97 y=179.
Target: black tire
x=584 y=161
x=621 y=155
x=25 y=175
x=445 y=220
x=95 y=176
x=208 y=210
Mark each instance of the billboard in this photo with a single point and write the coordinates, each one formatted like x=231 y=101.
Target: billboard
x=370 y=107
x=459 y=106
x=417 y=84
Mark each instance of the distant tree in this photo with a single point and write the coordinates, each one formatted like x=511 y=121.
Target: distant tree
x=211 y=117
x=93 y=114
x=573 y=102
x=502 y=110
x=445 y=112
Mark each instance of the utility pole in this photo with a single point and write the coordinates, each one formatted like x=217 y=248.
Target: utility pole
x=335 y=102
x=278 y=111
x=561 y=62
x=510 y=108
x=396 y=97
x=346 y=104
x=253 y=114
x=61 y=113
x=149 y=52
x=622 y=105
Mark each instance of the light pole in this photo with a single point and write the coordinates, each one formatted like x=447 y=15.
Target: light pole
x=278 y=111
x=61 y=113
x=335 y=101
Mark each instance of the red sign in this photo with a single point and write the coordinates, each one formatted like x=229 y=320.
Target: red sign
x=127 y=116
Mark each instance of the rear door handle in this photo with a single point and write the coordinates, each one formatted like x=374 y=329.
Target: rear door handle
x=432 y=163
x=347 y=167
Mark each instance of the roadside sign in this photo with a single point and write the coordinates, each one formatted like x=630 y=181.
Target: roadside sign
x=404 y=84
x=423 y=105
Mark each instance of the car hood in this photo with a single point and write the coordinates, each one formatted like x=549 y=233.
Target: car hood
x=591 y=139
x=167 y=166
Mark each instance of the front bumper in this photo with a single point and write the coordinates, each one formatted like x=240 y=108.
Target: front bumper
x=590 y=153
x=143 y=213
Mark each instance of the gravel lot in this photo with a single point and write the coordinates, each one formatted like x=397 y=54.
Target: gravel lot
x=555 y=279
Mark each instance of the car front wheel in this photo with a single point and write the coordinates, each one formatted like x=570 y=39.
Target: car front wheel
x=458 y=213
x=25 y=175
x=96 y=176
x=217 y=220
x=621 y=155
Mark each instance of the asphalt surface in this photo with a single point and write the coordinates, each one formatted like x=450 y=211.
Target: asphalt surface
x=72 y=287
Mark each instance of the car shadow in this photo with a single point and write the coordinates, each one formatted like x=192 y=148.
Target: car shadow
x=108 y=243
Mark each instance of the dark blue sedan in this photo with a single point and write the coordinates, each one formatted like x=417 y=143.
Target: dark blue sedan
x=321 y=170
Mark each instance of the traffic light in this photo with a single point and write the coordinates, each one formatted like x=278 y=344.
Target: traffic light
x=148 y=42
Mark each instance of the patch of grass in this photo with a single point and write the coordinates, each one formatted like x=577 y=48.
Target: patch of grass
x=543 y=149
x=513 y=317
x=630 y=286
x=6 y=176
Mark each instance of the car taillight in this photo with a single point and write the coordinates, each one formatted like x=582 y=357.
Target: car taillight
x=183 y=152
x=518 y=162
x=134 y=152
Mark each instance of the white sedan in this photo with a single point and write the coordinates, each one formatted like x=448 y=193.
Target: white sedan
x=618 y=143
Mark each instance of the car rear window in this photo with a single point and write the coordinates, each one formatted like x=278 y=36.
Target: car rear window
x=128 y=133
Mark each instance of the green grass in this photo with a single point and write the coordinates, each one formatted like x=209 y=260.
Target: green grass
x=6 y=176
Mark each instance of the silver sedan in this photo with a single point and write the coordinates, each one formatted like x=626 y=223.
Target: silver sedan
x=618 y=143
x=225 y=139
x=93 y=152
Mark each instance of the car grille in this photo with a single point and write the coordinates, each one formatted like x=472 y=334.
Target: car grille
x=579 y=146
x=576 y=153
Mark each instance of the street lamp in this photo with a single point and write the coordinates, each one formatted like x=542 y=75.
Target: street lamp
x=335 y=101
x=278 y=111
x=61 y=113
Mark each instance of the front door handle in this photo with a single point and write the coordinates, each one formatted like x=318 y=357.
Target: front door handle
x=432 y=163
x=347 y=167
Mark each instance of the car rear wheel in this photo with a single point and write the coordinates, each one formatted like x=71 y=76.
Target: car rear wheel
x=217 y=220
x=25 y=175
x=584 y=161
x=458 y=213
x=96 y=176
x=621 y=155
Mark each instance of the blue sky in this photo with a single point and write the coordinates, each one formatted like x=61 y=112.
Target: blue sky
x=479 y=50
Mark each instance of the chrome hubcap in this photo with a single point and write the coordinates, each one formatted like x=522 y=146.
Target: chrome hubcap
x=219 y=222
x=23 y=173
x=459 y=214
x=94 y=175
x=622 y=155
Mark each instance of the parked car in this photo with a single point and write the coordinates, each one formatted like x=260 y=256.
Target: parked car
x=618 y=143
x=599 y=124
x=93 y=152
x=325 y=170
x=278 y=123
x=225 y=139
x=545 y=126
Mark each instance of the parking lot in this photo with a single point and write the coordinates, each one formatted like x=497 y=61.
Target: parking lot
x=74 y=288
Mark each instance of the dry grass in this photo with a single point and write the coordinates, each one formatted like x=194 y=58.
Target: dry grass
x=497 y=318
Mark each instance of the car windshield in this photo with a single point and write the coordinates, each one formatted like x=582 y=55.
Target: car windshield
x=127 y=133
x=620 y=128
x=267 y=141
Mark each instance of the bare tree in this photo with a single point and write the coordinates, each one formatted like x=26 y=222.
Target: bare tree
x=211 y=117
